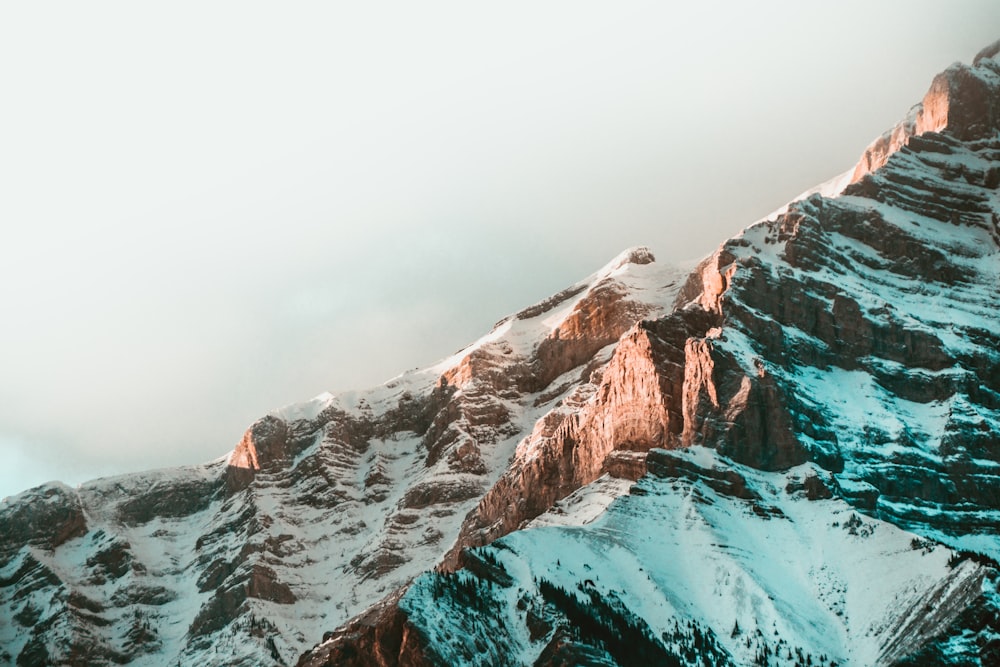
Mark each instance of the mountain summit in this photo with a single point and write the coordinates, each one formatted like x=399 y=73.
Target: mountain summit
x=789 y=456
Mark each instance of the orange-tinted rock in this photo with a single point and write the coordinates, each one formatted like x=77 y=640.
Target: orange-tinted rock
x=381 y=637
x=742 y=415
x=961 y=102
x=630 y=409
x=265 y=443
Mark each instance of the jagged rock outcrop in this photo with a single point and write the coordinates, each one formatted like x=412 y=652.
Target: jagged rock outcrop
x=380 y=636
x=961 y=102
x=46 y=517
x=632 y=405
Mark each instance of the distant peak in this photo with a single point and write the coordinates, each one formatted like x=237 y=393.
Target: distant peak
x=638 y=255
x=990 y=52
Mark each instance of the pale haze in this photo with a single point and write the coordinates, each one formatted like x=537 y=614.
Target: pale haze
x=210 y=210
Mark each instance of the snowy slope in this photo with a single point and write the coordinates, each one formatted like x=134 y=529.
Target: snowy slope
x=765 y=572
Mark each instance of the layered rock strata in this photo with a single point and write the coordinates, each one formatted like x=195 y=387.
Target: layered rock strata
x=855 y=332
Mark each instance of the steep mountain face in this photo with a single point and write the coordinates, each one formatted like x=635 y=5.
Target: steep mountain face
x=961 y=101
x=792 y=457
x=322 y=509
x=871 y=319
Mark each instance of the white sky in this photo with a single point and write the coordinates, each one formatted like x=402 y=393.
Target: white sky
x=213 y=209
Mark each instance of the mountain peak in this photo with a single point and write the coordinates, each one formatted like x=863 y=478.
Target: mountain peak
x=962 y=101
x=638 y=255
x=991 y=52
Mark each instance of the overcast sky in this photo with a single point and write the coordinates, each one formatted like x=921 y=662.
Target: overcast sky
x=210 y=210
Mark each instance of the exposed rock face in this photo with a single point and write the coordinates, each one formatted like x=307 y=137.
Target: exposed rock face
x=961 y=102
x=745 y=416
x=381 y=636
x=264 y=445
x=568 y=448
x=633 y=404
x=46 y=517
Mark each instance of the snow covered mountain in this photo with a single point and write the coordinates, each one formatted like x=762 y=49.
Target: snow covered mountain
x=322 y=509
x=840 y=363
x=789 y=456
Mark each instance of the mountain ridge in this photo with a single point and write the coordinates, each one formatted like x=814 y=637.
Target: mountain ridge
x=249 y=535
x=762 y=377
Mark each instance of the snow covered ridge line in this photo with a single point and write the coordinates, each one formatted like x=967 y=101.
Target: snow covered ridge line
x=323 y=508
x=853 y=333
x=521 y=332
x=937 y=112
